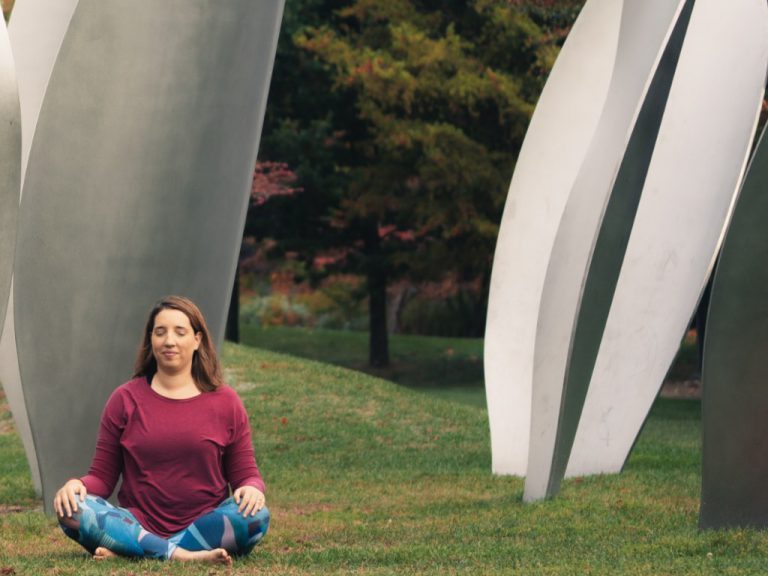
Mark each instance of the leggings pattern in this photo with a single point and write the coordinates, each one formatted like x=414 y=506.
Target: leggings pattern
x=102 y=524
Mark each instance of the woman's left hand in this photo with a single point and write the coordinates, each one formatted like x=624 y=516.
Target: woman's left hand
x=250 y=499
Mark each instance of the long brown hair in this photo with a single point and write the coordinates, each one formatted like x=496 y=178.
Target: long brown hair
x=205 y=363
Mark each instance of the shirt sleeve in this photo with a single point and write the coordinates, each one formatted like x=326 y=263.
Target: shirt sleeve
x=239 y=461
x=107 y=461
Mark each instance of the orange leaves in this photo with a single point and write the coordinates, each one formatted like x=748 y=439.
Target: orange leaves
x=272 y=179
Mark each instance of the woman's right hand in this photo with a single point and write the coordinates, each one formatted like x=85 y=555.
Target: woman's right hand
x=65 y=501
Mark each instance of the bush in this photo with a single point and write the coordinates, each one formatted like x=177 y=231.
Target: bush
x=336 y=305
x=275 y=310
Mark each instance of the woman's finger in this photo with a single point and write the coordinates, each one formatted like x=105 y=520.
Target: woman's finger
x=73 y=497
x=248 y=500
x=258 y=504
x=65 y=503
x=240 y=498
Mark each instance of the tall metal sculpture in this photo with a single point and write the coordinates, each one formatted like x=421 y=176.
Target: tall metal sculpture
x=686 y=202
x=635 y=240
x=10 y=165
x=36 y=32
x=137 y=185
x=735 y=402
x=608 y=251
x=646 y=29
x=559 y=133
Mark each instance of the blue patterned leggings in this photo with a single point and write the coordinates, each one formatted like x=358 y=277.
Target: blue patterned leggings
x=102 y=524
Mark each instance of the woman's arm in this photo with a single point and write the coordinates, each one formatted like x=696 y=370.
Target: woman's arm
x=240 y=467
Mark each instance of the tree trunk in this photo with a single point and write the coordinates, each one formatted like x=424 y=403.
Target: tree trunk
x=378 y=343
x=232 y=331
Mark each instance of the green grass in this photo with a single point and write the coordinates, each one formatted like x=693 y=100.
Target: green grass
x=365 y=477
x=451 y=368
x=448 y=367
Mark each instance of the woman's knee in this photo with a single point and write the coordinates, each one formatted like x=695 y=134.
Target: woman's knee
x=73 y=525
x=73 y=521
x=247 y=530
x=230 y=509
x=96 y=522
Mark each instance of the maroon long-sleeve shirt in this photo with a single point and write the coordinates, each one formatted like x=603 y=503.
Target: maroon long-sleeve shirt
x=178 y=458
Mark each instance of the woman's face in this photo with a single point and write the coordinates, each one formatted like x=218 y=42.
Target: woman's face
x=174 y=341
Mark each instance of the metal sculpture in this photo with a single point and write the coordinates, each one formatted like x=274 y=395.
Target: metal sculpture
x=35 y=32
x=618 y=290
x=609 y=248
x=689 y=189
x=565 y=118
x=734 y=426
x=144 y=149
x=10 y=166
x=645 y=29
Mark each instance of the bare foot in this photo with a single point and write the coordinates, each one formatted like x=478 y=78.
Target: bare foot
x=103 y=554
x=217 y=556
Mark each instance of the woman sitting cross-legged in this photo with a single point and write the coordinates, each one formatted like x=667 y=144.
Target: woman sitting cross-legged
x=180 y=438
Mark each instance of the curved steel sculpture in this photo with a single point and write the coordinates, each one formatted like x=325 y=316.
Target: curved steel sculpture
x=10 y=166
x=645 y=30
x=697 y=165
x=560 y=131
x=609 y=249
x=36 y=32
x=734 y=426
x=137 y=186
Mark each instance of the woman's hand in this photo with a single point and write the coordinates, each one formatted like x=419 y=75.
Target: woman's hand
x=250 y=499
x=65 y=501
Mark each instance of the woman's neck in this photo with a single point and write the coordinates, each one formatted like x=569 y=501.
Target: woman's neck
x=177 y=386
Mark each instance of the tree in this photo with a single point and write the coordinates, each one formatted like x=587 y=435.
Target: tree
x=407 y=140
x=270 y=180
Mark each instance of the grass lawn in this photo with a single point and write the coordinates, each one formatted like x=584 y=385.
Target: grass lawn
x=447 y=367
x=365 y=477
x=451 y=368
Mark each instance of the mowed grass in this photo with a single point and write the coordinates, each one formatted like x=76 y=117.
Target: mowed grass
x=451 y=368
x=447 y=367
x=367 y=477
